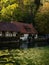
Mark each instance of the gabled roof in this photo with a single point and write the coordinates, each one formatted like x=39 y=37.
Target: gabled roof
x=17 y=27
x=25 y=28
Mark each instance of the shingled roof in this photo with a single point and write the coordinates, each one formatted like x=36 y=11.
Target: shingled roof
x=17 y=27
x=7 y=26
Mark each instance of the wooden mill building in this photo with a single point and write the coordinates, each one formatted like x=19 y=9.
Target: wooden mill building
x=10 y=29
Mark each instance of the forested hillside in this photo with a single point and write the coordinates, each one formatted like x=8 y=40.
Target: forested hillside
x=28 y=11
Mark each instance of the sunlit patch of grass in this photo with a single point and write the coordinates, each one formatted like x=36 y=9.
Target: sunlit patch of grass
x=32 y=56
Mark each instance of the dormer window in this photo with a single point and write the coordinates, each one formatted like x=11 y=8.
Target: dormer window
x=27 y=28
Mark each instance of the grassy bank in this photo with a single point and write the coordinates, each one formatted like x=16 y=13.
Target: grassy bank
x=32 y=56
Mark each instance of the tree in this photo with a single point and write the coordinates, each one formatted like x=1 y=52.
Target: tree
x=20 y=10
x=37 y=3
x=7 y=13
x=10 y=11
x=42 y=19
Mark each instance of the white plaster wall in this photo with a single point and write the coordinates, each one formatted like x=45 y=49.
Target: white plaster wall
x=24 y=37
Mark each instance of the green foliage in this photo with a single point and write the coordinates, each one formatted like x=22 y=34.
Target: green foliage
x=27 y=18
x=17 y=14
x=20 y=10
x=42 y=19
x=35 y=56
x=7 y=13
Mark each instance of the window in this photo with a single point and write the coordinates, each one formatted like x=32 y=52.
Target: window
x=0 y=33
x=14 y=34
x=8 y=34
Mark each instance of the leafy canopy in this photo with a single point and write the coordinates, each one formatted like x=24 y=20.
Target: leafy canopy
x=42 y=19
